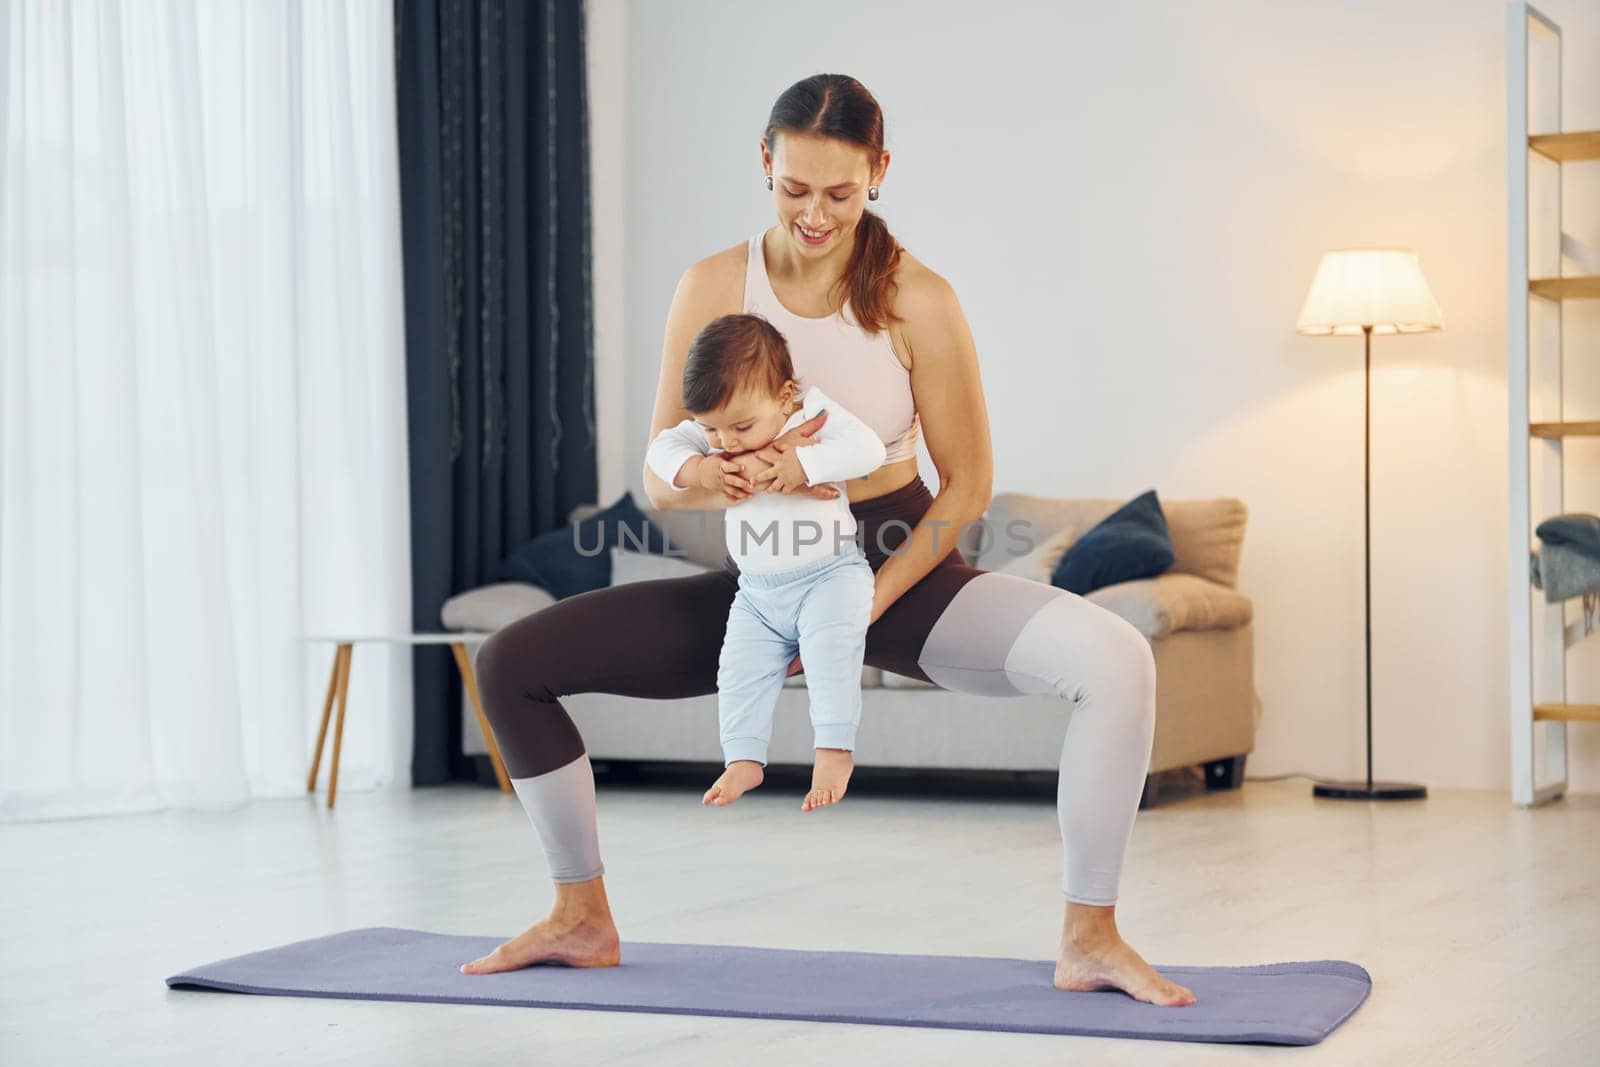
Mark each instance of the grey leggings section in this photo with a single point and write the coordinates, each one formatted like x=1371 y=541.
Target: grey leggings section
x=963 y=629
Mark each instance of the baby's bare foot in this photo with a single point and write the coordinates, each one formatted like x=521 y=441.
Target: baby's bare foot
x=741 y=776
x=829 y=777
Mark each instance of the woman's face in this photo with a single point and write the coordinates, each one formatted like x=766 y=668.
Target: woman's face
x=819 y=186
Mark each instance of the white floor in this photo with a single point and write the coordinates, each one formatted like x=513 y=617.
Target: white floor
x=1480 y=922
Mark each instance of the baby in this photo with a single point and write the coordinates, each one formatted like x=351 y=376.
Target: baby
x=803 y=581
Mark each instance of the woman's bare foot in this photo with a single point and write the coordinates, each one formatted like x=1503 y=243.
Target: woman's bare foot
x=1094 y=956
x=579 y=933
x=741 y=776
x=829 y=776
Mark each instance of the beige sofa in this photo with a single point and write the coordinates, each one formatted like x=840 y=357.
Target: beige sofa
x=1198 y=625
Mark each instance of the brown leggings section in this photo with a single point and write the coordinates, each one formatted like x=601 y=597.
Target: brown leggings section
x=663 y=639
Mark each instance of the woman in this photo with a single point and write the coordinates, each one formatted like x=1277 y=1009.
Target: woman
x=883 y=334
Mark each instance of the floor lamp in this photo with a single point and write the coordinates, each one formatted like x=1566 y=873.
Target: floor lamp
x=1366 y=291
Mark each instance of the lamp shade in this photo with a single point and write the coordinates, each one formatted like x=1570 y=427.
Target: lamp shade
x=1378 y=287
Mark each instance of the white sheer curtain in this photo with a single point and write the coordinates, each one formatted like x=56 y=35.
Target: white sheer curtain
x=202 y=400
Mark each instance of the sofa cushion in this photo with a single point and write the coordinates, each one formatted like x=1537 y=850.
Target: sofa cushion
x=1171 y=602
x=553 y=560
x=1038 y=565
x=630 y=566
x=1206 y=535
x=1128 y=544
x=490 y=607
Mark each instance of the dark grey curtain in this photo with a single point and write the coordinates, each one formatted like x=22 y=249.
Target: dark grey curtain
x=494 y=193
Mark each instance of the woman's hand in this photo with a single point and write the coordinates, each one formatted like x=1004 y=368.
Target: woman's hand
x=783 y=476
x=774 y=453
x=804 y=434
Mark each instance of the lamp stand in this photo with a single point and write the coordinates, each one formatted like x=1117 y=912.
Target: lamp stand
x=1368 y=790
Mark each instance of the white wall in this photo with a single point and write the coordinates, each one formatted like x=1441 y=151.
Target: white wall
x=1130 y=201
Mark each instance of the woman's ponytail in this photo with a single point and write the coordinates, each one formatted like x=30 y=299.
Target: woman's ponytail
x=869 y=276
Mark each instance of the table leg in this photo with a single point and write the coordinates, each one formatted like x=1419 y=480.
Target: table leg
x=464 y=662
x=338 y=727
x=327 y=710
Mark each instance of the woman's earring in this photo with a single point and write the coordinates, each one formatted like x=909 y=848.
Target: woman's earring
x=872 y=192
x=769 y=183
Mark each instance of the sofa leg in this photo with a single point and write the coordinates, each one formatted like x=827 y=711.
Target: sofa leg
x=1225 y=773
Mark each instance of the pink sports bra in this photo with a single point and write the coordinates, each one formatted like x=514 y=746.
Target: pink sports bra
x=836 y=355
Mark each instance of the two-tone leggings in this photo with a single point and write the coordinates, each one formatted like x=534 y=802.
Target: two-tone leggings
x=960 y=628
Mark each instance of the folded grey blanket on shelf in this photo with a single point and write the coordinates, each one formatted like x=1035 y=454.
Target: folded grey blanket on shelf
x=1576 y=530
x=1568 y=565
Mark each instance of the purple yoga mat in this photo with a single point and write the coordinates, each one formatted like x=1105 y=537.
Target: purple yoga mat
x=1279 y=1004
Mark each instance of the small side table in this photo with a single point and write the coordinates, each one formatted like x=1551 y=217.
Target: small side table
x=339 y=685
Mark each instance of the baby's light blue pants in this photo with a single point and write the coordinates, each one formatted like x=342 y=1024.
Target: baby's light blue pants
x=821 y=609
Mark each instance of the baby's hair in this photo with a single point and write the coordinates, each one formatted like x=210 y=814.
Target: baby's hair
x=734 y=353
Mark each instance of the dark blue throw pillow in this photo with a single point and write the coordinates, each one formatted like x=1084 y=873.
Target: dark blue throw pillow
x=1132 y=542
x=577 y=559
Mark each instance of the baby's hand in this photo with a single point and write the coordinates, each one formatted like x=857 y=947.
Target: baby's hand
x=724 y=476
x=749 y=464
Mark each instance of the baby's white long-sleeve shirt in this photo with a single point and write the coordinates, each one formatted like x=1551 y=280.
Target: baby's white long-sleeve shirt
x=777 y=531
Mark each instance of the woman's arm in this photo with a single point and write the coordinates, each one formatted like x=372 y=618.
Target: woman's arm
x=708 y=289
x=955 y=423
